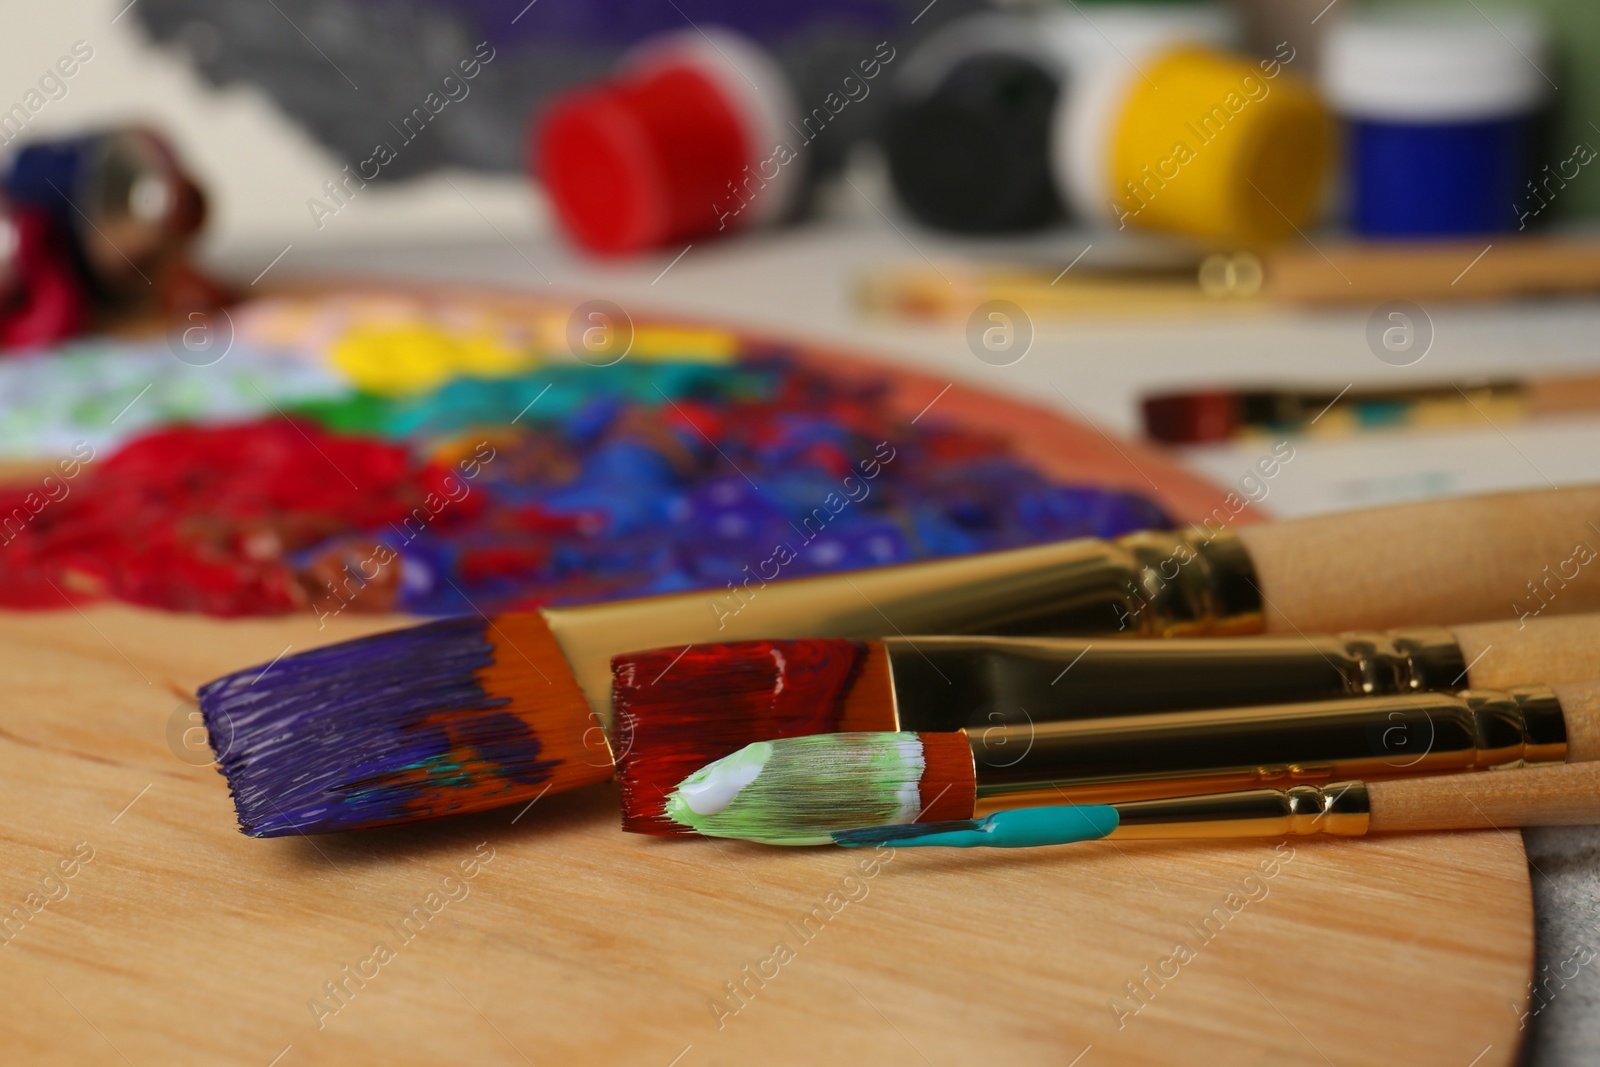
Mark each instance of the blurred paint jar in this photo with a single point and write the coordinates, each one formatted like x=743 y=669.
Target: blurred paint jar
x=41 y=298
x=695 y=134
x=129 y=207
x=1439 y=110
x=1163 y=130
x=967 y=140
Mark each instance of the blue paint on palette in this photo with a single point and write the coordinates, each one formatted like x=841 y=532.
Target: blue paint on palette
x=635 y=480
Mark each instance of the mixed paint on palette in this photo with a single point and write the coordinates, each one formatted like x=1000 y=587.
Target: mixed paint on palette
x=379 y=453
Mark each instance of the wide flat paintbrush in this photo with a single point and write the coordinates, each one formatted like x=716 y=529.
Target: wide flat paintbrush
x=469 y=714
x=677 y=710
x=1559 y=795
x=800 y=790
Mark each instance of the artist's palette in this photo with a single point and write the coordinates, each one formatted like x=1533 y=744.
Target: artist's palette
x=376 y=451
x=138 y=924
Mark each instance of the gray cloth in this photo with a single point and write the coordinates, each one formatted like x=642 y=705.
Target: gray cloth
x=1564 y=1017
x=348 y=71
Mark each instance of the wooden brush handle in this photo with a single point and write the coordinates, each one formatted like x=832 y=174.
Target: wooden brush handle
x=1580 y=708
x=1547 y=650
x=1343 y=273
x=1562 y=395
x=1565 y=795
x=1559 y=652
x=1431 y=563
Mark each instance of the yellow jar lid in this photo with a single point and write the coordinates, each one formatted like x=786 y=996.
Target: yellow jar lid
x=1205 y=143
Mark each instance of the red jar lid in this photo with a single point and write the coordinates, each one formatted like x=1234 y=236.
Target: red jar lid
x=642 y=160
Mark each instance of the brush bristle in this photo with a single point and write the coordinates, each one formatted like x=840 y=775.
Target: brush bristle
x=440 y=719
x=802 y=790
x=676 y=710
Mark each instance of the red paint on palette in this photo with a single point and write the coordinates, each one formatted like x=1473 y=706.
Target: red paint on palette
x=201 y=519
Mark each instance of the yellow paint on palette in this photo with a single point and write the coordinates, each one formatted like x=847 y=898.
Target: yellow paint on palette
x=683 y=344
x=401 y=358
x=652 y=341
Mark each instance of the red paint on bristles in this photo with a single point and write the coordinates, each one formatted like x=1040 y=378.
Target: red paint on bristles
x=675 y=710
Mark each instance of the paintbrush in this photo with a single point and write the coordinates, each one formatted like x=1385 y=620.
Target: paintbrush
x=1202 y=416
x=677 y=710
x=800 y=790
x=1354 y=272
x=1559 y=795
x=468 y=714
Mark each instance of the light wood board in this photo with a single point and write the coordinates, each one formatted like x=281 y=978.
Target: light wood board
x=183 y=942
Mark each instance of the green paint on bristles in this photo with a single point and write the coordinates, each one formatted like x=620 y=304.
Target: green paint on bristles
x=801 y=790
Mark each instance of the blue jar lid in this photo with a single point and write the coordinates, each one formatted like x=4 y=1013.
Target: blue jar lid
x=1436 y=65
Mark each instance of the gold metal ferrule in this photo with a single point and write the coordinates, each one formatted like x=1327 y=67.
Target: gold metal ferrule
x=1142 y=585
x=1340 y=809
x=1111 y=760
x=1187 y=584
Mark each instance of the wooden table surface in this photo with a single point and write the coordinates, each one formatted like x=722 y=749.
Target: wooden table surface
x=183 y=942
x=137 y=925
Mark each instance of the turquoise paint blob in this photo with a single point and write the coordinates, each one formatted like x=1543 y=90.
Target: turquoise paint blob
x=1383 y=414
x=1019 y=828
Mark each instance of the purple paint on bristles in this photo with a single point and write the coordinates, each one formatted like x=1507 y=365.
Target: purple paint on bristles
x=365 y=732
